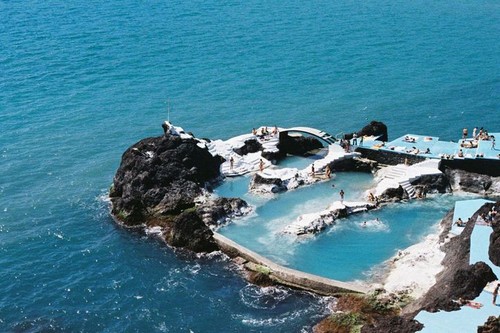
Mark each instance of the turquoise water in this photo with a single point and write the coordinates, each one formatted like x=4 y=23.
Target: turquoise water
x=82 y=81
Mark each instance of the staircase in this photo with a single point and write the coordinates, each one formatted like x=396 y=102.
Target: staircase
x=408 y=187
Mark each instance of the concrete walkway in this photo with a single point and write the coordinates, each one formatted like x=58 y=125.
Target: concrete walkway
x=286 y=276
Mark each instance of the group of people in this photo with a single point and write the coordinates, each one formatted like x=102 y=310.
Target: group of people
x=477 y=134
x=328 y=171
x=489 y=217
x=264 y=131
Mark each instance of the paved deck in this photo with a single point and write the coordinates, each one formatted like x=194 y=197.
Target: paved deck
x=438 y=148
x=467 y=319
x=464 y=210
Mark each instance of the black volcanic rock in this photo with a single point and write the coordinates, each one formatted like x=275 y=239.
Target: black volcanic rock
x=250 y=146
x=375 y=128
x=157 y=183
x=393 y=195
x=187 y=230
x=464 y=283
x=494 y=248
x=472 y=182
x=492 y=325
x=297 y=145
x=160 y=176
x=215 y=212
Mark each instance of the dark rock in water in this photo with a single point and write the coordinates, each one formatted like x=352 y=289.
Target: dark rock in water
x=160 y=176
x=492 y=325
x=187 y=230
x=472 y=182
x=464 y=283
x=217 y=211
x=354 y=164
x=393 y=195
x=433 y=183
x=251 y=146
x=157 y=183
x=494 y=249
x=276 y=183
x=375 y=128
x=297 y=145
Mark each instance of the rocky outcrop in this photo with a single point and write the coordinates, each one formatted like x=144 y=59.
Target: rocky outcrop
x=270 y=184
x=218 y=211
x=492 y=325
x=375 y=128
x=297 y=145
x=432 y=183
x=393 y=195
x=354 y=164
x=157 y=184
x=250 y=146
x=472 y=182
x=465 y=283
x=494 y=249
x=187 y=230
x=458 y=279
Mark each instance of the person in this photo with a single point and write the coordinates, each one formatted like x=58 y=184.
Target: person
x=361 y=140
x=231 y=162
x=275 y=130
x=354 y=139
x=495 y=293
x=328 y=172
x=254 y=131
x=472 y=304
x=474 y=132
x=341 y=195
x=464 y=133
x=460 y=223
x=460 y=153
x=427 y=151
x=261 y=165
x=492 y=142
x=371 y=197
x=312 y=169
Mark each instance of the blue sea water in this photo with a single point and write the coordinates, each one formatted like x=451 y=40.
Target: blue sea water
x=82 y=81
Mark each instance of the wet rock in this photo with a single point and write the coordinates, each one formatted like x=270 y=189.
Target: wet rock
x=158 y=183
x=266 y=184
x=472 y=182
x=492 y=325
x=375 y=128
x=187 y=230
x=393 y=195
x=354 y=164
x=494 y=248
x=251 y=146
x=217 y=212
x=160 y=176
x=297 y=145
x=433 y=183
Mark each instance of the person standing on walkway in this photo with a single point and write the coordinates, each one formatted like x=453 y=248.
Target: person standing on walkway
x=354 y=139
x=341 y=195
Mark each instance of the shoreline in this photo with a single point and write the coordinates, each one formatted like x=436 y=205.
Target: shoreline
x=412 y=271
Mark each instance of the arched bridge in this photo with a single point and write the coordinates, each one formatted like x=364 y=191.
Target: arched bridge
x=312 y=131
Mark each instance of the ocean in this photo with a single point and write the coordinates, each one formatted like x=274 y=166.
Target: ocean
x=82 y=81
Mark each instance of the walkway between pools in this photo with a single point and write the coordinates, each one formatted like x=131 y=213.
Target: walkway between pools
x=467 y=319
x=269 y=139
x=283 y=275
x=401 y=174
